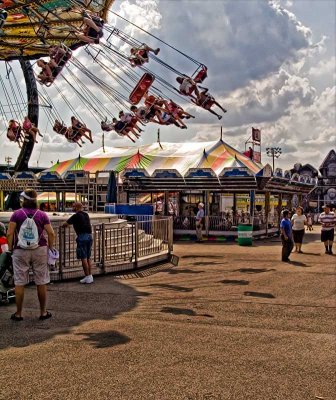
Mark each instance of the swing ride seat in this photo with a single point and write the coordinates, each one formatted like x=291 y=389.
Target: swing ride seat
x=201 y=75
x=141 y=88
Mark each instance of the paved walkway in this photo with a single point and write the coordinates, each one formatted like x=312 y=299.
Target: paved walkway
x=229 y=323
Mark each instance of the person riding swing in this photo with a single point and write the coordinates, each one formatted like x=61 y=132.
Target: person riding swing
x=93 y=29
x=119 y=127
x=206 y=101
x=14 y=132
x=188 y=87
x=30 y=129
x=76 y=125
x=50 y=70
x=140 y=55
x=68 y=133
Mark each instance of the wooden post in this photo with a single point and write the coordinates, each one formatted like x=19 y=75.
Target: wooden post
x=279 y=208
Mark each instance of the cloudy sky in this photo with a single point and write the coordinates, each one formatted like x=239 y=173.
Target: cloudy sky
x=271 y=64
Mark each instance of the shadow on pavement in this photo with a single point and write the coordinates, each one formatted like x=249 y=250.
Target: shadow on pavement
x=234 y=282
x=184 y=311
x=102 y=340
x=71 y=305
x=198 y=263
x=299 y=264
x=258 y=294
x=172 y=287
x=254 y=270
x=201 y=256
x=184 y=271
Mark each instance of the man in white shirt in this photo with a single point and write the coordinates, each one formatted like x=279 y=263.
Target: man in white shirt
x=199 y=222
x=327 y=219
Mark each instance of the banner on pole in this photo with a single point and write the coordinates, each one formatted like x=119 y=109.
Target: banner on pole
x=256 y=135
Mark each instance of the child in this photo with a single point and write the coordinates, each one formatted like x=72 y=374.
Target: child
x=3 y=239
x=309 y=222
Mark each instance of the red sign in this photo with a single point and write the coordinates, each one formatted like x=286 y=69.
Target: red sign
x=256 y=135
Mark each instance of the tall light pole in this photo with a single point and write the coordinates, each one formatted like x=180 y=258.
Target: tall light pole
x=274 y=152
x=8 y=161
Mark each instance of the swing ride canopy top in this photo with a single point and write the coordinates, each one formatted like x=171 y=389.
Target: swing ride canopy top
x=33 y=26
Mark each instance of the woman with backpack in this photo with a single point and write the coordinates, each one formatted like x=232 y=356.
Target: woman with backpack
x=26 y=240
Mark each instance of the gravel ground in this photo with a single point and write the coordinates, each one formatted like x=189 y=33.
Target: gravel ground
x=229 y=322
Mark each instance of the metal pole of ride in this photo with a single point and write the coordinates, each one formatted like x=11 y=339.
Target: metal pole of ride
x=252 y=204
x=33 y=114
x=103 y=245
x=61 y=239
x=136 y=243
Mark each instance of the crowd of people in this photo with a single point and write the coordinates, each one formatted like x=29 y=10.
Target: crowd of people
x=293 y=227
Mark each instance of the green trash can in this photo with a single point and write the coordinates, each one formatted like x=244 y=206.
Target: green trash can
x=245 y=234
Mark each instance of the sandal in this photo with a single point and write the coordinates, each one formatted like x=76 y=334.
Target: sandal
x=44 y=317
x=14 y=317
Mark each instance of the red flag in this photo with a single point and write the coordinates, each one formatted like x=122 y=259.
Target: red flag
x=256 y=135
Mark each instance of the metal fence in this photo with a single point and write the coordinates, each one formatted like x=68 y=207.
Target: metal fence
x=227 y=222
x=116 y=247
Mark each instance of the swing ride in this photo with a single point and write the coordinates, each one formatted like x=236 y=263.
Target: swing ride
x=68 y=51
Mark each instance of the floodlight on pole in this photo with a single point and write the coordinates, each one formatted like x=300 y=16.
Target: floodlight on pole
x=274 y=152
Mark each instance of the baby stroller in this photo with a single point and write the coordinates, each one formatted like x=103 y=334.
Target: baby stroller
x=7 y=291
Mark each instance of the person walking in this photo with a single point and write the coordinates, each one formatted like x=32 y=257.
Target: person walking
x=199 y=222
x=26 y=240
x=299 y=220
x=82 y=226
x=286 y=236
x=327 y=219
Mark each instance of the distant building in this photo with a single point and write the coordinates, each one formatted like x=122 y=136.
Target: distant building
x=326 y=186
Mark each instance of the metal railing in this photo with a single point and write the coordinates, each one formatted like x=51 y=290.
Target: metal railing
x=116 y=247
x=227 y=222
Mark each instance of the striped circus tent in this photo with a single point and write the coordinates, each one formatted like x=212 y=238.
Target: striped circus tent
x=179 y=157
